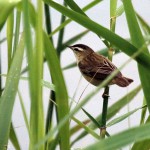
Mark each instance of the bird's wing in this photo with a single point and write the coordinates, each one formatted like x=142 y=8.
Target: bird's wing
x=99 y=68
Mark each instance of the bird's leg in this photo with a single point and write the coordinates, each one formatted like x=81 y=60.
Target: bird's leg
x=106 y=93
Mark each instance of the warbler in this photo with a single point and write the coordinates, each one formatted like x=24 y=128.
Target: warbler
x=95 y=68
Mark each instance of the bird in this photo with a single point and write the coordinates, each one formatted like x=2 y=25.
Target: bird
x=95 y=68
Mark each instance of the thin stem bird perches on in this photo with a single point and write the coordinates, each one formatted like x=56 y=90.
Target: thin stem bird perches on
x=104 y=112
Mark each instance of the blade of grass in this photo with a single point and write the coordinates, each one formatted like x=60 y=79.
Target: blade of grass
x=87 y=7
x=138 y=40
x=28 y=18
x=87 y=129
x=143 y=113
x=43 y=82
x=76 y=8
x=1 y=89
x=60 y=35
x=121 y=118
x=113 y=7
x=8 y=97
x=52 y=145
x=48 y=20
x=144 y=145
x=73 y=39
x=119 y=11
x=6 y=7
x=122 y=139
x=78 y=127
x=37 y=121
x=13 y=138
x=61 y=92
x=144 y=24
x=10 y=27
x=116 y=40
x=92 y=119
x=17 y=29
x=24 y=114
x=3 y=40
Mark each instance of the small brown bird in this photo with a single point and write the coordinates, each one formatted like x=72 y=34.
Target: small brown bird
x=95 y=68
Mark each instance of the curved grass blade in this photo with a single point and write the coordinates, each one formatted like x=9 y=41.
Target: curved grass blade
x=144 y=24
x=122 y=139
x=119 y=11
x=61 y=91
x=17 y=29
x=13 y=138
x=121 y=118
x=76 y=8
x=138 y=40
x=143 y=113
x=78 y=127
x=125 y=46
x=48 y=20
x=24 y=114
x=3 y=40
x=87 y=129
x=9 y=94
x=90 y=5
x=73 y=39
x=92 y=118
x=6 y=7
x=60 y=35
x=43 y=82
x=10 y=28
x=142 y=145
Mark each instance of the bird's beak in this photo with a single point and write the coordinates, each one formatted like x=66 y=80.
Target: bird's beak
x=70 y=47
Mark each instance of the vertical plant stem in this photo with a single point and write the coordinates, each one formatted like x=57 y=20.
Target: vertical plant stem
x=113 y=6
x=38 y=64
x=10 y=27
x=17 y=29
x=61 y=34
x=50 y=104
x=48 y=20
x=1 y=90
x=52 y=93
x=49 y=115
x=104 y=112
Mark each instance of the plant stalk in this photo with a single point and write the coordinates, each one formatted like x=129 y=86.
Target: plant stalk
x=113 y=7
x=104 y=112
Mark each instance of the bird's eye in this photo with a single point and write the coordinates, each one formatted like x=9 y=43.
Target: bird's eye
x=76 y=49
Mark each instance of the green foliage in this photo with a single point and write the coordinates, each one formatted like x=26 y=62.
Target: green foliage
x=9 y=94
x=39 y=43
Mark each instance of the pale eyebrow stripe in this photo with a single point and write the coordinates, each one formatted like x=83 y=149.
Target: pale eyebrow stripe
x=80 y=49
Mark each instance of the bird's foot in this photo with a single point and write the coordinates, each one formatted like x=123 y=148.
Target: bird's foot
x=105 y=95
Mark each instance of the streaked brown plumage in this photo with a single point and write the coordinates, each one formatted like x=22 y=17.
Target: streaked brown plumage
x=95 y=68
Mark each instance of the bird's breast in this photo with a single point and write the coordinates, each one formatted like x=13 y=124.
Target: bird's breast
x=91 y=80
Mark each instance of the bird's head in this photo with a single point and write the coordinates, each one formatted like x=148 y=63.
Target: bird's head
x=81 y=51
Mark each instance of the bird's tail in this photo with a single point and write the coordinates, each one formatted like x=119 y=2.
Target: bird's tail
x=123 y=81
